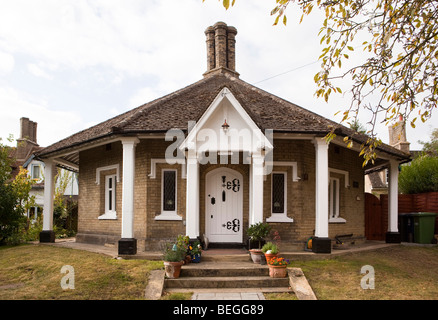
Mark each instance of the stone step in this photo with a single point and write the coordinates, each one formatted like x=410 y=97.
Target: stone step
x=223 y=272
x=207 y=257
x=232 y=290
x=227 y=282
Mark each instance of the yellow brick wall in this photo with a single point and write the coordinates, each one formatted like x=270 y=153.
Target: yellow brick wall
x=151 y=234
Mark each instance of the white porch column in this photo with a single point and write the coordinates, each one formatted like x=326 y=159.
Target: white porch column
x=256 y=214
x=47 y=234
x=192 y=195
x=128 y=244
x=393 y=236
x=321 y=243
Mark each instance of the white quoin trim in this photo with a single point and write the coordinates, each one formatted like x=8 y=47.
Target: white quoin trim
x=111 y=167
x=346 y=175
x=128 y=186
x=393 y=197
x=192 y=196
x=322 y=182
x=49 y=188
x=154 y=162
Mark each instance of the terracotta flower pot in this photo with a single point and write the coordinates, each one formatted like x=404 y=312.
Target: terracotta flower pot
x=172 y=269
x=277 y=271
x=256 y=255
x=187 y=259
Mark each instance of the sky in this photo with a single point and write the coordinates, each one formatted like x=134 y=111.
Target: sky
x=68 y=65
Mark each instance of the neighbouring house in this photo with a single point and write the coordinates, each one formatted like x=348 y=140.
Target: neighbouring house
x=24 y=154
x=210 y=160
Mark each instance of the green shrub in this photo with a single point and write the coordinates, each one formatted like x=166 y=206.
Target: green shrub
x=258 y=231
x=176 y=251
x=420 y=176
x=270 y=246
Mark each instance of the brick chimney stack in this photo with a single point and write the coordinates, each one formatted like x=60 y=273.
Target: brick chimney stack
x=397 y=135
x=221 y=49
x=28 y=138
x=28 y=130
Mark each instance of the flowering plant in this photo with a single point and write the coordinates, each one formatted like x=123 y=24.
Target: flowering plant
x=195 y=248
x=278 y=262
x=173 y=253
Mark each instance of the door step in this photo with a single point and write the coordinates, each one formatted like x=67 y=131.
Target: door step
x=226 y=245
x=227 y=282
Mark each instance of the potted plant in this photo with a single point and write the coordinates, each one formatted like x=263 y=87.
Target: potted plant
x=173 y=260
x=278 y=267
x=257 y=232
x=183 y=242
x=270 y=250
x=195 y=252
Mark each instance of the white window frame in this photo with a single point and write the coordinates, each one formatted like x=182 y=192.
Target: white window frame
x=167 y=214
x=334 y=190
x=279 y=216
x=32 y=171
x=110 y=214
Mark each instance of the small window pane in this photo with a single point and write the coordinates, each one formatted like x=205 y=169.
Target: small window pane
x=334 y=198
x=169 y=191
x=278 y=193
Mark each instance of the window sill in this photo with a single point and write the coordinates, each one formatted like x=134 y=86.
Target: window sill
x=108 y=216
x=168 y=216
x=279 y=217
x=337 y=220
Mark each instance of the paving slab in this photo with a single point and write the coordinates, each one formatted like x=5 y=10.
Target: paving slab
x=228 y=296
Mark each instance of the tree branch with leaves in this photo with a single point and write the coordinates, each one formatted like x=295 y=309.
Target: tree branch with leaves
x=398 y=71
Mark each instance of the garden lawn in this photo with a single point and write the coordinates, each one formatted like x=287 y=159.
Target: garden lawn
x=401 y=272
x=34 y=272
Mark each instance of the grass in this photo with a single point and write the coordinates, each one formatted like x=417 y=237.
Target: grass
x=34 y=272
x=401 y=273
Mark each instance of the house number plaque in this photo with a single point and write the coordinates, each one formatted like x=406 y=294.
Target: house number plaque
x=231 y=185
x=232 y=225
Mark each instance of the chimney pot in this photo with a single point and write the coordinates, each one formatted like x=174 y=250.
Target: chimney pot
x=221 y=49
x=28 y=129
x=220 y=38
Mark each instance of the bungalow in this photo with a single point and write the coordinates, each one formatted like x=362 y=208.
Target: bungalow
x=210 y=160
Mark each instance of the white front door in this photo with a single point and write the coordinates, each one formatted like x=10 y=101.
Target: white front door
x=224 y=205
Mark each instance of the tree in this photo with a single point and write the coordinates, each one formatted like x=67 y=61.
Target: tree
x=62 y=178
x=400 y=68
x=431 y=147
x=14 y=197
x=357 y=126
x=420 y=176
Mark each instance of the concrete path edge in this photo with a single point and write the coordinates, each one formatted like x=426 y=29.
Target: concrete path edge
x=154 y=289
x=299 y=284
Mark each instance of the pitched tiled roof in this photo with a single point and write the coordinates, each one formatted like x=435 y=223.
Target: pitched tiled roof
x=188 y=104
